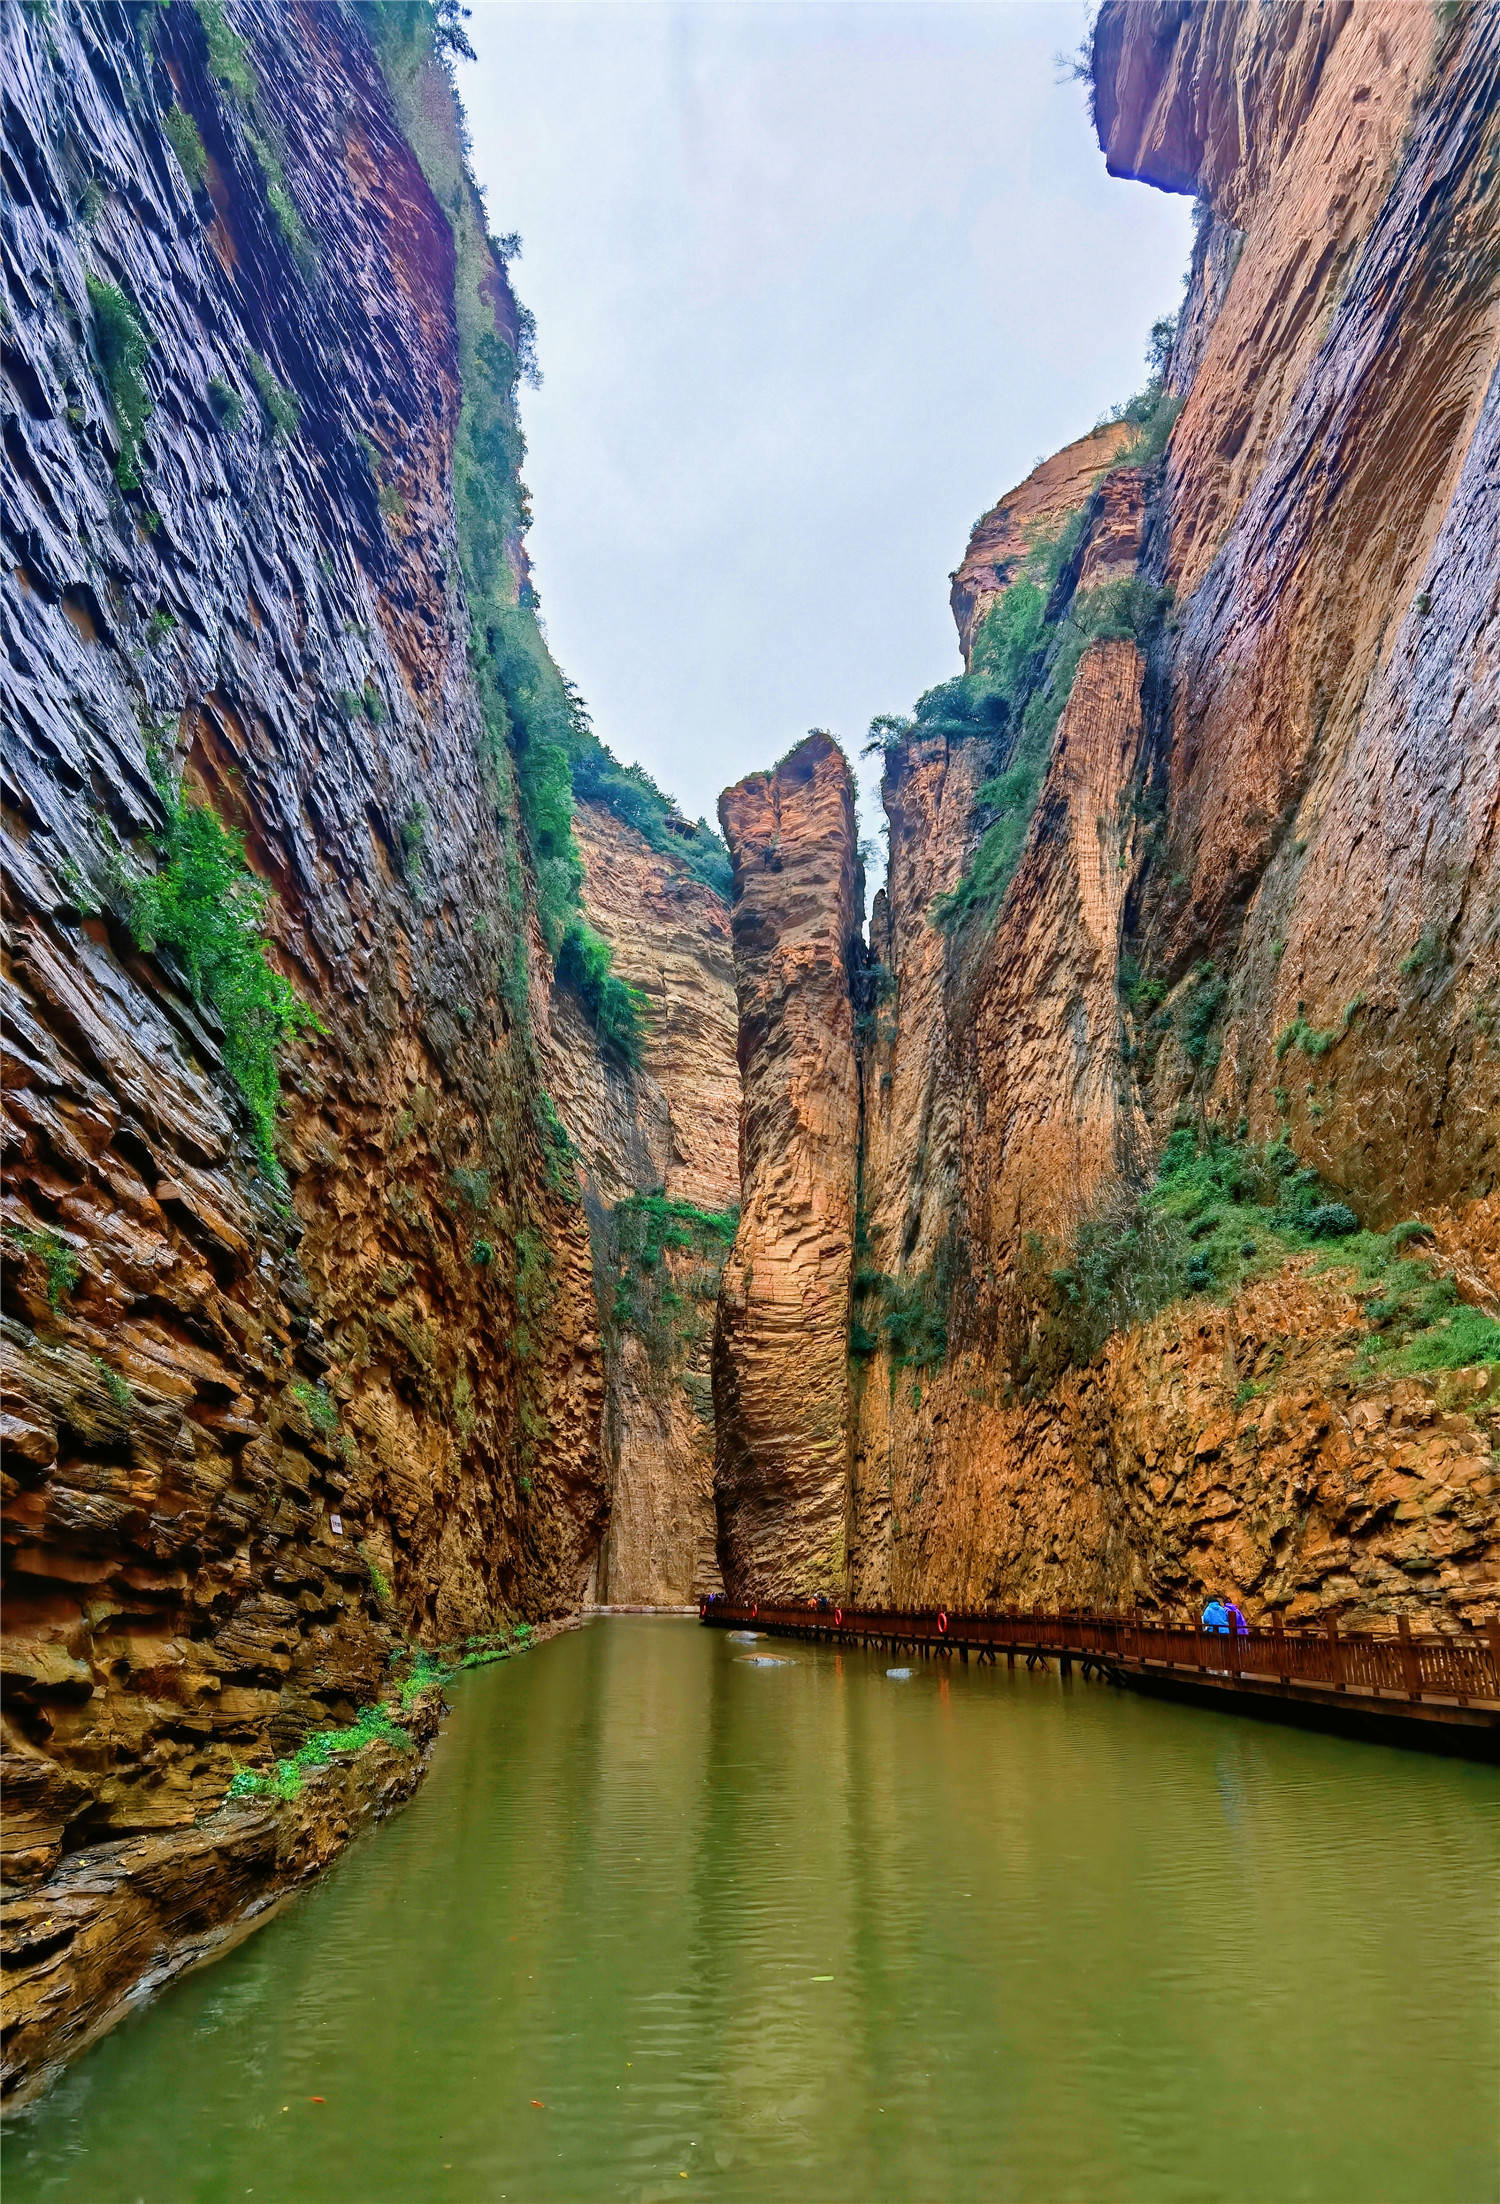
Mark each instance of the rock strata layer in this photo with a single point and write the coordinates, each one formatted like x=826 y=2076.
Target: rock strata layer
x=1251 y=894
x=781 y=1373
x=665 y=1130
x=260 y=1420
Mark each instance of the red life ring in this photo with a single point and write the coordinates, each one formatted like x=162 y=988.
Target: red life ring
x=838 y=1618
x=702 y=1609
x=942 y=1621
x=754 y=1609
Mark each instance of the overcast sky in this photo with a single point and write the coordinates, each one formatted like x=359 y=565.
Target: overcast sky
x=814 y=286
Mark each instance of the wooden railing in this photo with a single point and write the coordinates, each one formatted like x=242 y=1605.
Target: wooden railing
x=1463 y=1669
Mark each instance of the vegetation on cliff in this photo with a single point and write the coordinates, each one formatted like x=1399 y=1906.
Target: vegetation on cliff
x=1222 y=1212
x=661 y=1303
x=206 y=905
x=1026 y=653
x=540 y=745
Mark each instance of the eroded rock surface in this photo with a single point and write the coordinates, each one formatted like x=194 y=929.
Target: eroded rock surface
x=251 y=1433
x=668 y=1129
x=1256 y=897
x=781 y=1373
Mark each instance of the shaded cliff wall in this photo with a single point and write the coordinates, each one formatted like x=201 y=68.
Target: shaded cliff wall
x=780 y=1372
x=1246 y=755
x=659 y=1149
x=257 y=1419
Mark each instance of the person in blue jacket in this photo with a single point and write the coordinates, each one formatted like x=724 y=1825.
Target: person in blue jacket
x=1215 y=1616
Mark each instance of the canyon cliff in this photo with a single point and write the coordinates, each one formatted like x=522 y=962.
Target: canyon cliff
x=1178 y=1235
x=302 y=1360
x=781 y=1372
x=658 y=1146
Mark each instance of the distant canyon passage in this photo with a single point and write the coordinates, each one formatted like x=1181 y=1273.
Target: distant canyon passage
x=446 y=1189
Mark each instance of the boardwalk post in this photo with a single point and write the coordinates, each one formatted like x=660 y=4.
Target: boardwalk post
x=1335 y=1653
x=1283 y=1667
x=1411 y=1666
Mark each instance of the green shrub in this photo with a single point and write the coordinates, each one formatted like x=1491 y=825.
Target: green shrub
x=283 y=1781
x=1199 y=1011
x=616 y=1010
x=413 y=839
x=560 y=1156
x=1022 y=704
x=282 y=409
x=116 y=1387
x=640 y=1232
x=186 y=141
x=209 y=907
x=1221 y=1212
x=59 y=1264
x=319 y=1406
x=122 y=341
x=228 y=54
x=227 y=404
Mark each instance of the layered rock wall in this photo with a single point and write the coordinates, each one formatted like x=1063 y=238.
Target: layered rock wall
x=260 y=1419
x=666 y=1130
x=781 y=1373
x=1256 y=897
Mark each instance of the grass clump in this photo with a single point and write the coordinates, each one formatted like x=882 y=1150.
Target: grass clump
x=319 y=1406
x=283 y=1780
x=560 y=1157
x=282 y=410
x=1201 y=1008
x=228 y=54
x=616 y=1010
x=186 y=141
x=227 y=405
x=60 y=1266
x=413 y=833
x=206 y=905
x=122 y=341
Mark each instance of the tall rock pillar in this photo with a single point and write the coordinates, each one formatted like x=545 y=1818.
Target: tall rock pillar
x=781 y=1369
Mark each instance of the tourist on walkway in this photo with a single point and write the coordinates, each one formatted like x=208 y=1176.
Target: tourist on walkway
x=1216 y=1616
x=1234 y=1620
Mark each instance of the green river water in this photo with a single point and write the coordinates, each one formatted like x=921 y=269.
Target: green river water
x=665 y=1924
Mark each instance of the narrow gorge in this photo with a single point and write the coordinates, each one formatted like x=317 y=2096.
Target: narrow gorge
x=447 y=1190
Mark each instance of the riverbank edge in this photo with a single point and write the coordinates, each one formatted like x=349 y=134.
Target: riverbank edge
x=117 y=1923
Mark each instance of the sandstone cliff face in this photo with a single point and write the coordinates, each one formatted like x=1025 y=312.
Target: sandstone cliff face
x=1257 y=893
x=1334 y=743
x=668 y=1128
x=250 y=1433
x=781 y=1373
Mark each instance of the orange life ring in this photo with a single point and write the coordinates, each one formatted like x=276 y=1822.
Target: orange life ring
x=702 y=1609
x=942 y=1621
x=838 y=1618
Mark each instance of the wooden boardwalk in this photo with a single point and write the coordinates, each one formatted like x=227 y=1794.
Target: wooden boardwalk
x=1440 y=1692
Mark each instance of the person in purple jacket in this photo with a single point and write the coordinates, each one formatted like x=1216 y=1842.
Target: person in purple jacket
x=1234 y=1620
